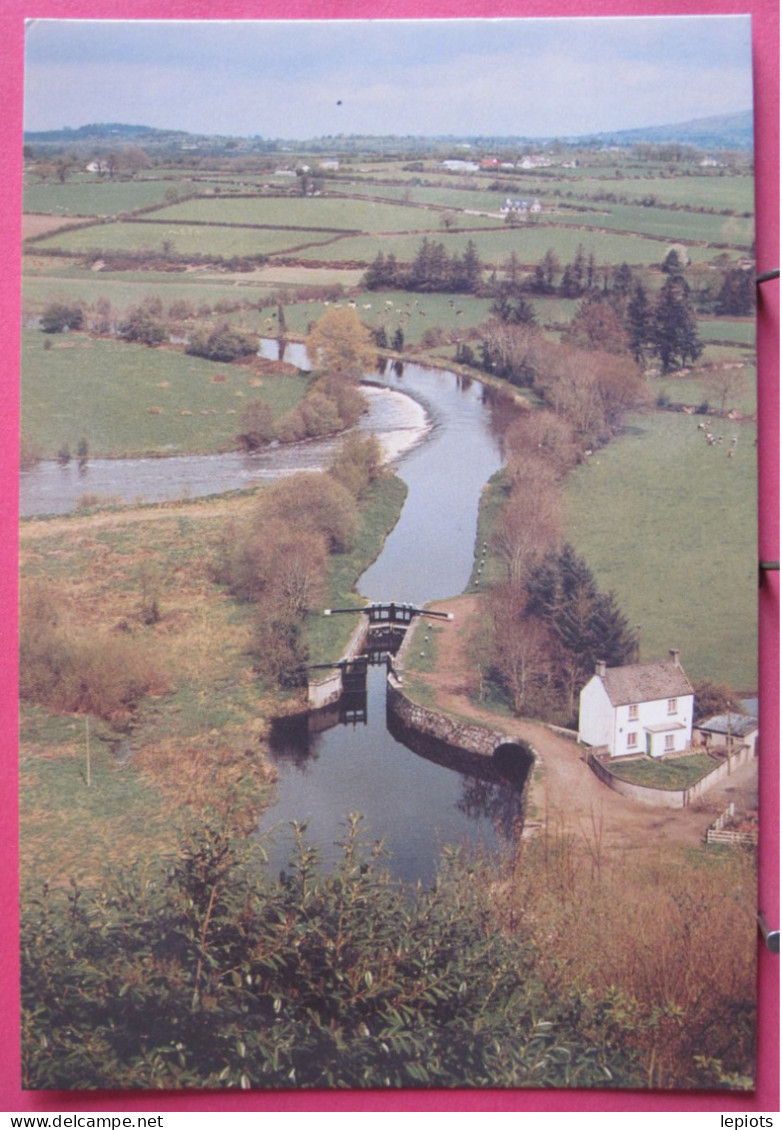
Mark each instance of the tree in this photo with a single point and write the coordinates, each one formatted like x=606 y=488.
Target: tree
x=544 y=435
x=638 y=321
x=357 y=463
x=470 y=269
x=544 y=279
x=674 y=262
x=714 y=698
x=512 y=305
x=223 y=344
x=620 y=387
x=737 y=293
x=521 y=647
x=257 y=424
x=510 y=350
x=530 y=521
x=586 y=623
x=597 y=326
x=674 y=329
x=725 y=384
x=313 y=502
x=60 y=316
x=339 y=344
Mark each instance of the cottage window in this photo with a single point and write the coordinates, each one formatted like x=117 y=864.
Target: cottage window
x=669 y=743
x=632 y=741
x=632 y=712
x=671 y=705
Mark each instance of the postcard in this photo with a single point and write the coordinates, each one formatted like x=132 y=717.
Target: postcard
x=389 y=680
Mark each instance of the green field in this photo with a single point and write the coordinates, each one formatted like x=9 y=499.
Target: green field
x=692 y=390
x=530 y=242
x=126 y=288
x=304 y=212
x=733 y=192
x=127 y=399
x=670 y=525
x=186 y=239
x=668 y=224
x=100 y=197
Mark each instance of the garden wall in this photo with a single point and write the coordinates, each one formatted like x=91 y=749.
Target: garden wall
x=669 y=798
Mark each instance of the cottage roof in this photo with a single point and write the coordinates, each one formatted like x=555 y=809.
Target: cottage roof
x=645 y=682
x=737 y=725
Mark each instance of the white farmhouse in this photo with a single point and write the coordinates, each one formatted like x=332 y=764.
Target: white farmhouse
x=639 y=708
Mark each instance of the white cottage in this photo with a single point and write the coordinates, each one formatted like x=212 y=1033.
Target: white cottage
x=640 y=708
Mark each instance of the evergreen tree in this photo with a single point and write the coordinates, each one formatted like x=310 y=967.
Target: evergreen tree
x=638 y=322
x=470 y=269
x=674 y=328
x=586 y=623
x=736 y=296
x=375 y=274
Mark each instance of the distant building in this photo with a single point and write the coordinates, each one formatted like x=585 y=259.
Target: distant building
x=520 y=207
x=728 y=731
x=638 y=708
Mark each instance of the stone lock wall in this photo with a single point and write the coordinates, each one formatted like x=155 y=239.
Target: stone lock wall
x=462 y=735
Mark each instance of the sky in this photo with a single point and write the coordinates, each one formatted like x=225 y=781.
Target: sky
x=297 y=80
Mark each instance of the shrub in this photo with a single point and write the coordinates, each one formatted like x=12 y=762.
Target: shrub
x=144 y=324
x=257 y=424
x=68 y=668
x=60 y=316
x=316 y=503
x=223 y=344
x=357 y=462
x=198 y=972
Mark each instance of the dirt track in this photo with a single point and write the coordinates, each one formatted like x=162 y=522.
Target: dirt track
x=567 y=793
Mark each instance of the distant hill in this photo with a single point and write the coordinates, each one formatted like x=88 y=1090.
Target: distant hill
x=112 y=133
x=727 y=131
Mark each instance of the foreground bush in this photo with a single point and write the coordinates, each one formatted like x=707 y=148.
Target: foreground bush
x=71 y=669
x=198 y=972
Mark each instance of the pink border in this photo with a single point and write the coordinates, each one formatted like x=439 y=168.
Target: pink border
x=765 y=15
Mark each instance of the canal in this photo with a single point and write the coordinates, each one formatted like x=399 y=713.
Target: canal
x=412 y=800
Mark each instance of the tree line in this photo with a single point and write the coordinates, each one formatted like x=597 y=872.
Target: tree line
x=432 y=269
x=276 y=562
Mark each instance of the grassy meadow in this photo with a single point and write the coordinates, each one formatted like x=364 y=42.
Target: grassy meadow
x=127 y=399
x=669 y=524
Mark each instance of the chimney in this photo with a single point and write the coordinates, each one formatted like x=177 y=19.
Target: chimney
x=674 y=654
x=600 y=668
